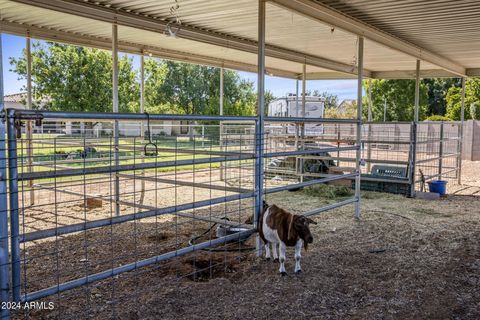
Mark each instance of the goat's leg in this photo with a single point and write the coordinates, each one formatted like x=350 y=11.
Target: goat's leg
x=275 y=253
x=282 y=258
x=298 y=256
x=267 y=250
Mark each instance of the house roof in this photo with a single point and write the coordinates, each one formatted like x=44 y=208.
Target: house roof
x=20 y=97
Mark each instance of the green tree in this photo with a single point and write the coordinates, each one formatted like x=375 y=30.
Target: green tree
x=437 y=93
x=436 y=117
x=475 y=110
x=453 y=100
x=399 y=97
x=472 y=96
x=78 y=79
x=331 y=100
x=347 y=111
x=195 y=89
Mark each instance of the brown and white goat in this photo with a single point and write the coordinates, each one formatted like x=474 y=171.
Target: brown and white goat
x=282 y=228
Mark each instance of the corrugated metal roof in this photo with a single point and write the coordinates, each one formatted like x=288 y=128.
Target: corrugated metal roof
x=446 y=27
x=284 y=29
x=450 y=28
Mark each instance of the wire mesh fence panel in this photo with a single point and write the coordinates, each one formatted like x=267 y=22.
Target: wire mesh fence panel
x=329 y=151
x=437 y=152
x=387 y=158
x=4 y=225
x=170 y=197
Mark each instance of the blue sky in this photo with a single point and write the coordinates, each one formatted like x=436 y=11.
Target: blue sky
x=345 y=89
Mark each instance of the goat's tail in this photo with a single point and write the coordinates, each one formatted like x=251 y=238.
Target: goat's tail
x=264 y=208
x=265 y=205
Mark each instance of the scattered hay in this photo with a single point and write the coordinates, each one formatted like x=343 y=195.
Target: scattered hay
x=328 y=191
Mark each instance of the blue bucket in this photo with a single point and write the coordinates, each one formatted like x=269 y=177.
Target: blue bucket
x=438 y=186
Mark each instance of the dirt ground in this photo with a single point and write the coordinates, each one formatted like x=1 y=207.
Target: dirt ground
x=470 y=179
x=404 y=259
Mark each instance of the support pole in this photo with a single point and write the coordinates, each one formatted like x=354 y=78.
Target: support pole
x=413 y=158
x=4 y=251
x=259 y=126
x=460 y=142
x=222 y=171
x=440 y=152
x=297 y=92
x=359 y=125
x=29 y=123
x=142 y=128
x=304 y=89
x=370 y=102
x=14 y=212
x=302 y=128
x=221 y=90
x=142 y=91
x=115 y=109
x=385 y=110
x=417 y=91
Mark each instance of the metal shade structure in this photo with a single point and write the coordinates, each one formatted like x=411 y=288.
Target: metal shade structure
x=297 y=39
x=321 y=34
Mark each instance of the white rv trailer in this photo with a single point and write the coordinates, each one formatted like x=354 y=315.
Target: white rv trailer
x=290 y=107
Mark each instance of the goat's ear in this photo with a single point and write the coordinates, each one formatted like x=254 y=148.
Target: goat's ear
x=310 y=221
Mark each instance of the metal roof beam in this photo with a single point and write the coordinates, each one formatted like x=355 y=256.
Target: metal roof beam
x=133 y=48
x=411 y=74
x=395 y=74
x=473 y=72
x=325 y=14
x=328 y=76
x=138 y=21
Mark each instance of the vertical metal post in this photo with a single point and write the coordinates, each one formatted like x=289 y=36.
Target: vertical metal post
x=369 y=118
x=142 y=127
x=115 y=109
x=413 y=157
x=304 y=88
x=13 y=197
x=222 y=171
x=359 y=125
x=370 y=102
x=417 y=91
x=460 y=142
x=302 y=128
x=29 y=123
x=385 y=110
x=297 y=91
x=4 y=252
x=259 y=125
x=221 y=90
x=142 y=92
x=440 y=152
